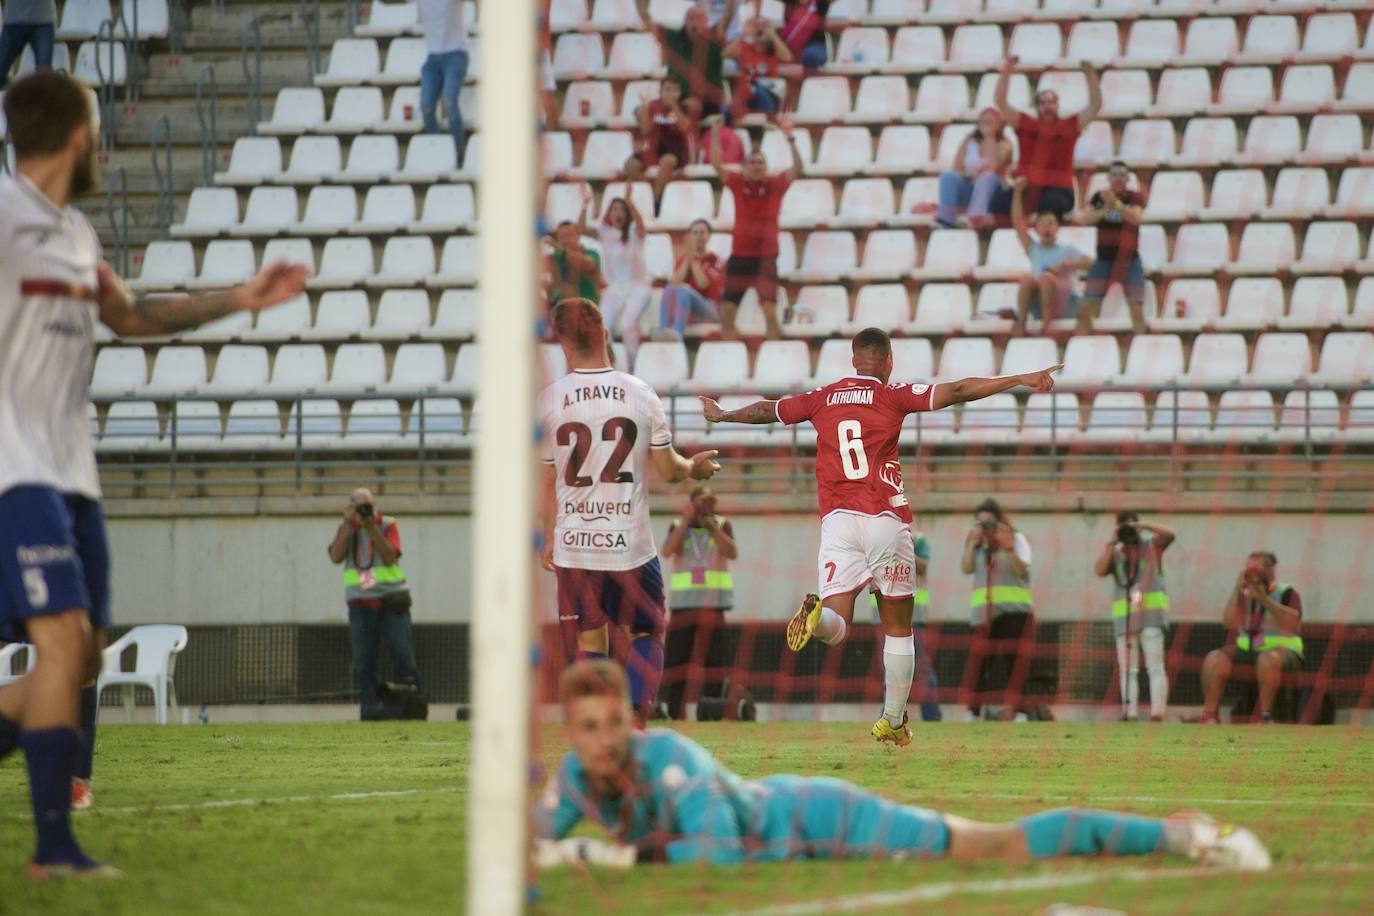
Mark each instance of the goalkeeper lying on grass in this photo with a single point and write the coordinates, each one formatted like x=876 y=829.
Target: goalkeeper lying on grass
x=665 y=798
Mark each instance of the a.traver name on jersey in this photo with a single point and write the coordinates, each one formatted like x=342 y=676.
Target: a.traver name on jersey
x=591 y=510
x=593 y=393
x=850 y=396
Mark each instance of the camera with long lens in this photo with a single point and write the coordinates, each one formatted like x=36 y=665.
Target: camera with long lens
x=364 y=511
x=1127 y=534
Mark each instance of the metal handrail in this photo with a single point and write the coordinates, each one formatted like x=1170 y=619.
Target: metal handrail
x=254 y=76
x=105 y=39
x=209 y=127
x=310 y=14
x=132 y=78
x=117 y=182
x=166 y=188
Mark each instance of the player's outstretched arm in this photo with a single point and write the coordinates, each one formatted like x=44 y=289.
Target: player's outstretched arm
x=673 y=467
x=948 y=394
x=140 y=316
x=757 y=412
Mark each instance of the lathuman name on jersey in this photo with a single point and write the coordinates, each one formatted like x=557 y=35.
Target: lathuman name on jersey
x=49 y=261
x=598 y=428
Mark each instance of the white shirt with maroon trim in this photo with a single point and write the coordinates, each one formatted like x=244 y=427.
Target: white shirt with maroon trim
x=598 y=428
x=48 y=278
x=857 y=421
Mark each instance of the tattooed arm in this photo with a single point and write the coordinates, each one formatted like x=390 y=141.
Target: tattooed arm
x=130 y=315
x=757 y=412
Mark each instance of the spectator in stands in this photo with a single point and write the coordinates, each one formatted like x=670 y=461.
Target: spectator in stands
x=716 y=11
x=575 y=271
x=1046 y=143
x=693 y=293
x=694 y=54
x=368 y=544
x=1264 y=614
x=446 y=67
x=760 y=52
x=667 y=135
x=1134 y=557
x=803 y=29
x=628 y=287
x=980 y=170
x=27 y=22
x=1048 y=292
x=1001 y=611
x=700 y=547
x=1116 y=212
x=754 y=251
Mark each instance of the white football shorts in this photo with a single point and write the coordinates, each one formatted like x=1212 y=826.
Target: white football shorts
x=859 y=549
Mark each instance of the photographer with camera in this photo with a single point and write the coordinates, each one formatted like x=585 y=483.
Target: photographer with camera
x=699 y=547
x=369 y=545
x=1264 y=614
x=1134 y=558
x=1001 y=612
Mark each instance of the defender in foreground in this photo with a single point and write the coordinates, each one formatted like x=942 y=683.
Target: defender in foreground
x=663 y=797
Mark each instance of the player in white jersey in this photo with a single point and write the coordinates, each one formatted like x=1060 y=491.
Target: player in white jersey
x=602 y=431
x=54 y=559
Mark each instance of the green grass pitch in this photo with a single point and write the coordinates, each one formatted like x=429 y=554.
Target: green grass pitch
x=354 y=818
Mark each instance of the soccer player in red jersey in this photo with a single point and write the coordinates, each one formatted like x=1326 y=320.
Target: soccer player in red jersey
x=865 y=517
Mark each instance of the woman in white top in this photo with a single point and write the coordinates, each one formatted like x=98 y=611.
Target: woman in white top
x=980 y=167
x=628 y=287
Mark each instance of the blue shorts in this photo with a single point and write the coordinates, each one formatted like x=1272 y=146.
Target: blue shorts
x=54 y=557
x=822 y=818
x=633 y=598
x=1100 y=277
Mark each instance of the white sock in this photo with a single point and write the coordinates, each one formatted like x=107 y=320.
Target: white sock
x=832 y=629
x=1152 y=641
x=899 y=668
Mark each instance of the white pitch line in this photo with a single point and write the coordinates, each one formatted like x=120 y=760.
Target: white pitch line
x=926 y=893
x=1082 y=800
x=155 y=808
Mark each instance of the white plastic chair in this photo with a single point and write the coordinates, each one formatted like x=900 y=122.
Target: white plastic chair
x=8 y=654
x=154 y=667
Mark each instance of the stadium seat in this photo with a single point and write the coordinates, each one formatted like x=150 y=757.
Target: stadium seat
x=436 y=422
x=316 y=422
x=1329 y=248
x=418 y=366
x=640 y=193
x=781 y=366
x=1035 y=44
x=633 y=55
x=388 y=209
x=860 y=50
x=994 y=309
x=1151 y=42
x=889 y=254
x=1216 y=359
x=1125 y=93
x=447 y=208
x=823 y=100
x=270 y=211
x=1243 y=90
x=119 y=370
x=1095 y=147
x=1173 y=197
x=917 y=193
x=613 y=16
x=775 y=149
x=993 y=420
x=1359 y=423
x=977 y=48
x=916 y=48
x=457 y=315
x=1092 y=42
x=637 y=93
x=252 y=161
x=1298 y=194
x=1347 y=358
x=1153 y=359
x=807 y=203
x=101 y=63
x=865 y=202
x=1329 y=37
x=1270 y=39
x=226 y=263
x=313 y=160
x=1272 y=141
x=684 y=202
x=388 y=20
x=1028 y=354
x=209 y=212
x=1018 y=94
x=1317 y=303
x=879 y=305
x=964 y=357
x=827 y=257
x=1208 y=142
x=131 y=426
x=950 y=139
x=1006 y=259
x=587 y=104
x=1309 y=415
x=239 y=368
x=1245 y=416
x=1091 y=358
x=1252 y=303
x=358 y=365
x=372 y=159
x=941 y=308
x=178 y=369
x=82 y=20
x=950 y=254
x=662 y=364
x=405 y=262
x=1306 y=88
x=295 y=111
x=1210 y=42
x=1358 y=94
x=1182 y=415
x=577 y=56
x=352 y=62
x=834 y=362
x=1199 y=249
x=252 y=425
x=1182 y=92
x=458 y=263
x=1235 y=194
x=940 y=99
x=1116 y=416
x=1152 y=248
x=374 y=423
x=194 y=425
x=298 y=367
x=344 y=263
x=401 y=314
x=843 y=151
x=604 y=154
x=1264 y=247
x=818 y=312
x=1147 y=143
x=288 y=320
x=720 y=365
x=1051 y=418
x=341 y=314
x=913 y=360
x=429 y=158
x=404 y=58
x=901 y=149
x=329 y=210
x=1334 y=139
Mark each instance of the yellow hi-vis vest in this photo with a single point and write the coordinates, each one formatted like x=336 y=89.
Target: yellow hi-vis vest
x=997 y=590
x=700 y=575
x=1271 y=637
x=387 y=580
x=1154 y=600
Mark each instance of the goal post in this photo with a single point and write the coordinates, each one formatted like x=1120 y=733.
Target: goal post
x=503 y=486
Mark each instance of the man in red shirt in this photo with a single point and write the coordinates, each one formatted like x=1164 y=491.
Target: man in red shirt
x=865 y=518
x=754 y=249
x=1046 y=144
x=667 y=133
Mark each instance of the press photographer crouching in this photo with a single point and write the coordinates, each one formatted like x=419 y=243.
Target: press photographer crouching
x=369 y=545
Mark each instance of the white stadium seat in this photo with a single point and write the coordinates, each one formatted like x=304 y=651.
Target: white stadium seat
x=1208 y=142
x=604 y=154
x=860 y=50
x=781 y=365
x=889 y=254
x=119 y=370
x=633 y=55
x=1330 y=247
x=1125 y=93
x=1245 y=416
x=1309 y=415
x=1272 y=141
x=372 y=159
x=341 y=314
x=977 y=48
x=429 y=157
x=578 y=56
x=1188 y=305
x=1147 y=142
x=1329 y=37
x=843 y=151
x=866 y=202
x=457 y=315
x=901 y=147
x=1270 y=39
x=1151 y=42
x=391 y=19
x=1299 y=193
x=1199 y=249
x=1116 y=416
x=818 y=312
x=822 y=100
x=358 y=365
x=1051 y=418
x=1307 y=88
x=940 y=99
x=1036 y=44
x=1153 y=359
x=288 y=320
x=457 y=263
x=295 y=111
x=328 y=210
x=252 y=161
x=720 y=365
x=1333 y=138
x=447 y=208
x=950 y=254
x=386 y=210
x=1252 y=303
x=1006 y=259
x=239 y=368
x=100 y=63
x=965 y=357
x=418 y=366
x=1182 y=415
x=916 y=48
x=1244 y=90
x=1210 y=41
x=82 y=20
x=991 y=421
x=1028 y=354
x=209 y=212
x=1235 y=194
x=1346 y=358
x=1174 y=196
x=344 y=263
x=1263 y=248
x=587 y=104
x=352 y=61
x=298 y=367
x=941 y=308
x=1216 y=359
x=807 y=203
x=270 y=211
x=313 y=160
x=827 y=257
x=913 y=360
x=404 y=58
x=1093 y=42
x=880 y=305
x=401 y=313
x=405 y=262
x=226 y=263
x=1091 y=358
x=1317 y=302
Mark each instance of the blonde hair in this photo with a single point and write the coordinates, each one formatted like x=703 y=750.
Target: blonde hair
x=596 y=678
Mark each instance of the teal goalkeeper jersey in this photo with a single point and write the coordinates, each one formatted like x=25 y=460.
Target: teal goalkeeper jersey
x=684 y=806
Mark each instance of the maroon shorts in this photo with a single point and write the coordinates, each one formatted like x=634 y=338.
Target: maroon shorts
x=760 y=274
